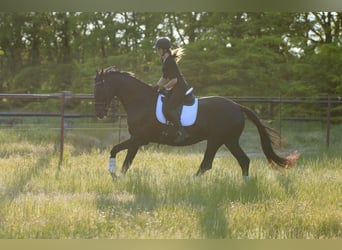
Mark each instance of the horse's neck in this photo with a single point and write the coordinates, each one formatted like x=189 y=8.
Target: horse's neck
x=134 y=95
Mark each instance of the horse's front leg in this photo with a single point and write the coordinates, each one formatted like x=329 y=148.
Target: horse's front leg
x=132 y=145
x=116 y=149
x=131 y=153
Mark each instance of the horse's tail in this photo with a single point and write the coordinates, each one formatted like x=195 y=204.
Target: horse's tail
x=269 y=138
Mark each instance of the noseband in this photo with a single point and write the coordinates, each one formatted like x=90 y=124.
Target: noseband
x=105 y=103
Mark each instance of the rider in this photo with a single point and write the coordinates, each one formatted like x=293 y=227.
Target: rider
x=173 y=81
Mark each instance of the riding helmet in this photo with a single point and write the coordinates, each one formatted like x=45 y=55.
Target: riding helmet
x=162 y=43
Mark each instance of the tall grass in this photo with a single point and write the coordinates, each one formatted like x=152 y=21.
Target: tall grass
x=157 y=198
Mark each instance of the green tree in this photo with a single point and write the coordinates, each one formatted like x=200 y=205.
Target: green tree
x=234 y=53
x=244 y=54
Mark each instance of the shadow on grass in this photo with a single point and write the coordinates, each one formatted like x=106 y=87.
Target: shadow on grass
x=209 y=199
x=213 y=216
x=24 y=176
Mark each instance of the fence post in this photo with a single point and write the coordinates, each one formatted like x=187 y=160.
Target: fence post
x=119 y=128
x=61 y=136
x=328 y=121
x=280 y=119
x=64 y=97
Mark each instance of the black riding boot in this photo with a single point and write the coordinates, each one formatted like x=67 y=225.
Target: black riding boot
x=182 y=135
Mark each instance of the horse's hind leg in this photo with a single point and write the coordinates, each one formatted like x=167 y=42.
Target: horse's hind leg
x=210 y=152
x=240 y=156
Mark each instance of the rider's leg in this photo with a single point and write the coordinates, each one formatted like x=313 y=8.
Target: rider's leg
x=172 y=114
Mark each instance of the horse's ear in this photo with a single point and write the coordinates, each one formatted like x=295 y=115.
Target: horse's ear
x=99 y=73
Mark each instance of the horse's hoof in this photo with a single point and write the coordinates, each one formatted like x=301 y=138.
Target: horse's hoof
x=245 y=178
x=116 y=176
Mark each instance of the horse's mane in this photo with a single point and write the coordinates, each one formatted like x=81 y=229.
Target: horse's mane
x=114 y=70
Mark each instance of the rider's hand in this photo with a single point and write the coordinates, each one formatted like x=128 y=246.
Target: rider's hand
x=156 y=88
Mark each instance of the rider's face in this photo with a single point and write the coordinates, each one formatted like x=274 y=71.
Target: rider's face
x=160 y=51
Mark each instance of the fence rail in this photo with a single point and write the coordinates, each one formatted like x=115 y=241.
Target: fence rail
x=272 y=101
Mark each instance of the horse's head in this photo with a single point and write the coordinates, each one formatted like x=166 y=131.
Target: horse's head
x=111 y=82
x=102 y=95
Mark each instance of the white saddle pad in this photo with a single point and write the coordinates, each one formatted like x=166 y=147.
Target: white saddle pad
x=188 y=116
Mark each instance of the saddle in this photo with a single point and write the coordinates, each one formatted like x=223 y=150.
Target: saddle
x=188 y=110
x=189 y=97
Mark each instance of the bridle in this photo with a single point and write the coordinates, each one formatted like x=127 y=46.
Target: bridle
x=105 y=102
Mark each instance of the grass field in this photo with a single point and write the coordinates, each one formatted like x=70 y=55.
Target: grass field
x=157 y=198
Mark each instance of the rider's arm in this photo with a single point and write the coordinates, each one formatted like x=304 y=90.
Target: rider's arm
x=171 y=83
x=171 y=72
x=161 y=81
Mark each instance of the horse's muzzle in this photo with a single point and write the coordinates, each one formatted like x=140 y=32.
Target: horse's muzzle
x=101 y=111
x=101 y=117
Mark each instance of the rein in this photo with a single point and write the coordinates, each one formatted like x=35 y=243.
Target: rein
x=105 y=103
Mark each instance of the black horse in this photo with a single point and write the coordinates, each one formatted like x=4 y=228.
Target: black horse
x=220 y=121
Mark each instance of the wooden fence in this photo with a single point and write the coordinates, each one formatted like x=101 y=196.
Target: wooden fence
x=272 y=102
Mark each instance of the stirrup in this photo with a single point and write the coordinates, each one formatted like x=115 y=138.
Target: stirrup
x=189 y=91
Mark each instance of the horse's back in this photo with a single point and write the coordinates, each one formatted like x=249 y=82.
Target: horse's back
x=219 y=103
x=220 y=109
